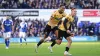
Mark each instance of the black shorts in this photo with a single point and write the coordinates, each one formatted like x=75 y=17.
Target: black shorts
x=62 y=34
x=48 y=29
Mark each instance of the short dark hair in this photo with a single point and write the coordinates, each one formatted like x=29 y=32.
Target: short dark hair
x=62 y=5
x=73 y=8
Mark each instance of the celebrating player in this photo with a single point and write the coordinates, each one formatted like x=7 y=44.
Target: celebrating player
x=22 y=31
x=7 y=27
x=52 y=25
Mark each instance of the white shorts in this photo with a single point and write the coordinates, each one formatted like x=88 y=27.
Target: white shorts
x=22 y=34
x=7 y=35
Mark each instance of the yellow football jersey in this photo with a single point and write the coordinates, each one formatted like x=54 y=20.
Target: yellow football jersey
x=70 y=19
x=55 y=18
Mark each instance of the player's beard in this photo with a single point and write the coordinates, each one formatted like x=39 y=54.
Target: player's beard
x=60 y=11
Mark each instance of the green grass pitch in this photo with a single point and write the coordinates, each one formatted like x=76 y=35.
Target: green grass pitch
x=77 y=49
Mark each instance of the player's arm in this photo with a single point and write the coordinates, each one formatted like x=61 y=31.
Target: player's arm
x=59 y=22
x=64 y=24
x=53 y=15
x=26 y=26
x=65 y=15
x=18 y=27
x=12 y=27
x=71 y=23
x=2 y=26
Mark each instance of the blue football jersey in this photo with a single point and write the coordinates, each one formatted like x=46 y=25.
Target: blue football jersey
x=23 y=27
x=7 y=25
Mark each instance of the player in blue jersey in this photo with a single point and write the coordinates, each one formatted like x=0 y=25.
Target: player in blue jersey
x=7 y=27
x=22 y=31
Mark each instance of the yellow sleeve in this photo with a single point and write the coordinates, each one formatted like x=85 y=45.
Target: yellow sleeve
x=70 y=18
x=53 y=14
x=64 y=15
x=67 y=17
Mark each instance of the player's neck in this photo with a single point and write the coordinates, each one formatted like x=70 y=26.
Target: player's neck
x=7 y=19
x=60 y=11
x=71 y=15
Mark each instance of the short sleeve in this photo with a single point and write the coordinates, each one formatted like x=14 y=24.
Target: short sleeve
x=70 y=18
x=64 y=15
x=2 y=22
x=53 y=14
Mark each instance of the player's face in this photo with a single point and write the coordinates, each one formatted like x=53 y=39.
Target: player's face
x=62 y=9
x=73 y=12
x=7 y=17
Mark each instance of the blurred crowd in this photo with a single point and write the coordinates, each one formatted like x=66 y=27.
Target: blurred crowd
x=36 y=27
x=87 y=28
x=49 y=4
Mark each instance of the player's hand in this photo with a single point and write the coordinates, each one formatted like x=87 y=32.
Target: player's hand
x=16 y=28
x=3 y=30
x=72 y=34
x=12 y=32
x=68 y=31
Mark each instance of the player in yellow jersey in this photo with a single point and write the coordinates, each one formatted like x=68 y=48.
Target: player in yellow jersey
x=64 y=30
x=52 y=25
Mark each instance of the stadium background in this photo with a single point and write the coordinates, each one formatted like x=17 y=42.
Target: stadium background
x=37 y=12
x=37 y=19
